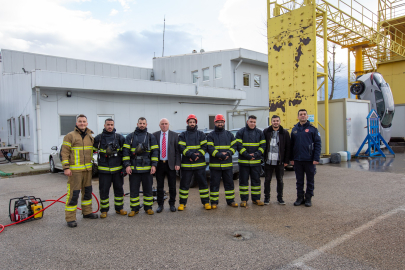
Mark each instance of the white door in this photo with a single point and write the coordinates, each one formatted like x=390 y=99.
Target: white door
x=101 y=120
x=237 y=121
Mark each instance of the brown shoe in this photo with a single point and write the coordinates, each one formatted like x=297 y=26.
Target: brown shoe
x=149 y=212
x=103 y=215
x=243 y=204
x=233 y=204
x=121 y=212
x=258 y=202
x=133 y=213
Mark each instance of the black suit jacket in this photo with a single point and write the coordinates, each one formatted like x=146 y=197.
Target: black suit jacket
x=173 y=154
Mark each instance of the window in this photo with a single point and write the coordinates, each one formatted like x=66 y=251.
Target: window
x=9 y=127
x=194 y=75
x=211 y=122
x=257 y=80
x=206 y=74
x=19 y=125
x=218 y=72
x=246 y=79
x=27 y=119
x=23 y=125
x=67 y=124
x=379 y=101
x=101 y=121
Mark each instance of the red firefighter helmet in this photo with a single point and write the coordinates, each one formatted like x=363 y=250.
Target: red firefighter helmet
x=191 y=116
x=219 y=117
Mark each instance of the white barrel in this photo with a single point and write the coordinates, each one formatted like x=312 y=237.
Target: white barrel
x=343 y=155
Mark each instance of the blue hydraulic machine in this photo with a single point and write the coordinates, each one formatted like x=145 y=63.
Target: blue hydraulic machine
x=373 y=138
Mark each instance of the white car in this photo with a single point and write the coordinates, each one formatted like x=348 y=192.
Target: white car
x=55 y=163
x=373 y=87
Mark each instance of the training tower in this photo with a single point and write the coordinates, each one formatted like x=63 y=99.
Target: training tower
x=375 y=40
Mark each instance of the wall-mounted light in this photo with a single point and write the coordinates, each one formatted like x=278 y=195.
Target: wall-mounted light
x=45 y=95
x=175 y=112
x=69 y=94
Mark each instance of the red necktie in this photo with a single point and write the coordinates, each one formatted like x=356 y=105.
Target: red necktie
x=164 y=145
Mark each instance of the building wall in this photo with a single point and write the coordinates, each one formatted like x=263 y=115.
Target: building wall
x=394 y=75
x=14 y=61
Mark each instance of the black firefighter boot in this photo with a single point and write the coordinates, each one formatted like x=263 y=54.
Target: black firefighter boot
x=300 y=200
x=308 y=202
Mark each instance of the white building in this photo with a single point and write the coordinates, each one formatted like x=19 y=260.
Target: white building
x=40 y=95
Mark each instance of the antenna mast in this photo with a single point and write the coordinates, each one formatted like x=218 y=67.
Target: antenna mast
x=164 y=27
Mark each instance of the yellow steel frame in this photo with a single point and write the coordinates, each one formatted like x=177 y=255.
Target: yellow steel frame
x=370 y=37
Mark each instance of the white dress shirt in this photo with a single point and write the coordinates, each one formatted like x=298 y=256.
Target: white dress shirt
x=167 y=144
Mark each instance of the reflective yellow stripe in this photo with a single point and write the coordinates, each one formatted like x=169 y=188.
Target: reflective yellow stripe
x=125 y=158
x=218 y=165
x=222 y=147
x=185 y=151
x=70 y=208
x=154 y=147
x=65 y=161
x=243 y=150
x=233 y=142
x=203 y=142
x=67 y=144
x=95 y=149
x=238 y=140
x=262 y=141
x=194 y=147
x=141 y=168
x=154 y=159
x=182 y=143
x=210 y=143
x=109 y=169
x=81 y=167
x=202 y=151
x=86 y=202
x=249 y=161
x=193 y=165
x=261 y=150
x=250 y=144
x=214 y=153
x=233 y=150
x=126 y=146
x=103 y=151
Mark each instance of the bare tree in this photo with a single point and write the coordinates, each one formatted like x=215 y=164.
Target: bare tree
x=333 y=69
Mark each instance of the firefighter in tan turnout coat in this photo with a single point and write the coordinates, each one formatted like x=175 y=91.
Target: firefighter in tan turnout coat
x=77 y=154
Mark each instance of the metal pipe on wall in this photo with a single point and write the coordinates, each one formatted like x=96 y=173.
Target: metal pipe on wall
x=39 y=133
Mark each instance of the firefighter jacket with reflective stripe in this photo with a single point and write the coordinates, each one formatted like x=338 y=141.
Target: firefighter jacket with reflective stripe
x=140 y=163
x=77 y=150
x=192 y=142
x=109 y=163
x=218 y=142
x=250 y=141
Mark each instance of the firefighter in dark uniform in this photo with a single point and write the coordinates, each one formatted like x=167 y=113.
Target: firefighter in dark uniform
x=251 y=146
x=109 y=144
x=193 y=145
x=140 y=159
x=305 y=154
x=221 y=146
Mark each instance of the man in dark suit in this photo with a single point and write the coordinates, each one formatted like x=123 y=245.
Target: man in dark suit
x=169 y=163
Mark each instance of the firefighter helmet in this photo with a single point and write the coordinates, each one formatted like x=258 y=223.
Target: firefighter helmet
x=192 y=116
x=219 y=117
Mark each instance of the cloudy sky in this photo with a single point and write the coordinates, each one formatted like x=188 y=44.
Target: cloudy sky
x=130 y=31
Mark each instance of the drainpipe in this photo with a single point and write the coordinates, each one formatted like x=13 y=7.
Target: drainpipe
x=234 y=82
x=39 y=135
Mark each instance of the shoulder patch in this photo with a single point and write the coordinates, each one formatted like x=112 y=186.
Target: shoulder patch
x=319 y=134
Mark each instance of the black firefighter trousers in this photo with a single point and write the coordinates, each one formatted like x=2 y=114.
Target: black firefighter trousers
x=135 y=180
x=105 y=181
x=227 y=178
x=200 y=177
x=255 y=185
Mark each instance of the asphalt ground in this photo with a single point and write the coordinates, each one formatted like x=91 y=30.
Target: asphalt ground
x=356 y=222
